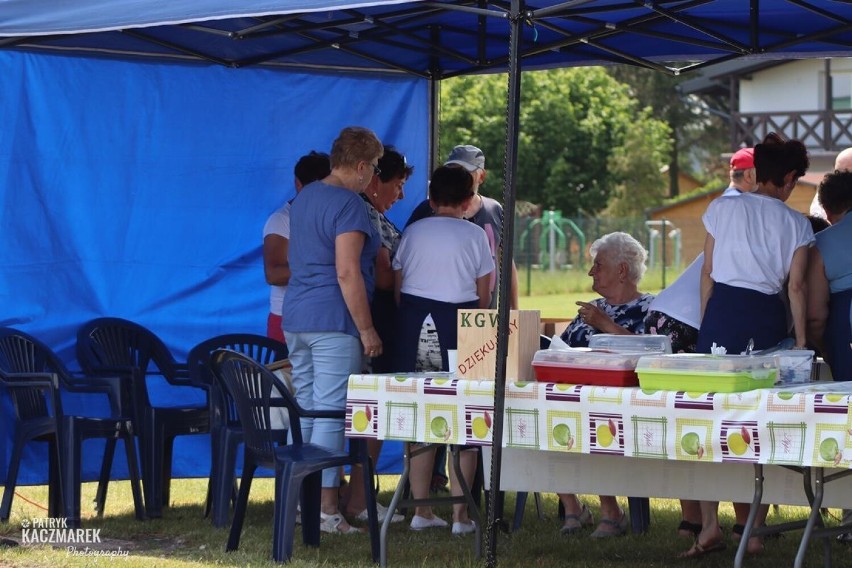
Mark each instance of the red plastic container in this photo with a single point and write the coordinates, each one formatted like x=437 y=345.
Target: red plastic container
x=586 y=367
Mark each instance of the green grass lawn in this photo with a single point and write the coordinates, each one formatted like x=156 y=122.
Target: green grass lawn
x=183 y=538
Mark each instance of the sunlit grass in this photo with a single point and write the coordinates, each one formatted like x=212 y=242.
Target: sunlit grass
x=183 y=538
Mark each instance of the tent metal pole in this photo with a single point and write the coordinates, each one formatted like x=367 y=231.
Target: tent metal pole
x=509 y=190
x=434 y=105
x=434 y=115
x=469 y=9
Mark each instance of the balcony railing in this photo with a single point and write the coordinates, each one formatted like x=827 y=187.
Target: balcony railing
x=824 y=130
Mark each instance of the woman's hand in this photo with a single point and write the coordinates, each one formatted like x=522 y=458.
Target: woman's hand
x=372 y=343
x=595 y=317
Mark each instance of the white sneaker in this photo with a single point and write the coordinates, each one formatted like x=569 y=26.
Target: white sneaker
x=331 y=524
x=419 y=523
x=382 y=512
x=464 y=528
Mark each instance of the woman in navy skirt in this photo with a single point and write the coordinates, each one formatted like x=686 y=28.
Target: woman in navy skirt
x=754 y=244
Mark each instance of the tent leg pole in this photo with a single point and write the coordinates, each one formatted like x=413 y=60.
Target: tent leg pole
x=509 y=189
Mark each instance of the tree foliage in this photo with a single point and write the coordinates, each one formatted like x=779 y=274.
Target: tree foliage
x=636 y=164
x=699 y=135
x=582 y=137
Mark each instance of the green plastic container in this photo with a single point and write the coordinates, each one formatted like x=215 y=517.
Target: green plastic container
x=706 y=373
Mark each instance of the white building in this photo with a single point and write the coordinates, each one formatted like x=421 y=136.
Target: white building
x=810 y=100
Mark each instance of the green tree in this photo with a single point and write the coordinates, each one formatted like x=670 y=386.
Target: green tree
x=699 y=135
x=641 y=186
x=573 y=124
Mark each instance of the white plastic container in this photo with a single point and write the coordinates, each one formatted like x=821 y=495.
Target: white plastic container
x=631 y=343
x=795 y=366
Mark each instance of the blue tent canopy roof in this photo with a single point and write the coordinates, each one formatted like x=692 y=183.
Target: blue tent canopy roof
x=433 y=39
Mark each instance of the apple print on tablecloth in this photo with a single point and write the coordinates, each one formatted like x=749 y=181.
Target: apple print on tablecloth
x=481 y=425
x=829 y=450
x=691 y=444
x=562 y=436
x=361 y=419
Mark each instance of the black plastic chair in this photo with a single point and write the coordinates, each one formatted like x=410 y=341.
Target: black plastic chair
x=22 y=353
x=117 y=346
x=255 y=390
x=226 y=433
x=35 y=399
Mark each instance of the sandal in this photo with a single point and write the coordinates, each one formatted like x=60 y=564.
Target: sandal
x=687 y=529
x=698 y=550
x=331 y=524
x=575 y=523
x=737 y=532
x=608 y=527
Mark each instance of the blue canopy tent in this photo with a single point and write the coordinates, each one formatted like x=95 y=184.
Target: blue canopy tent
x=137 y=165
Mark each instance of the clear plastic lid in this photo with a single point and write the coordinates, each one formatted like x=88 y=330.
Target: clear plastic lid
x=631 y=343
x=586 y=358
x=705 y=363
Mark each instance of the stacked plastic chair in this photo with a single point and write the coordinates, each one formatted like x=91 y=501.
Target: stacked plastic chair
x=226 y=433
x=35 y=376
x=35 y=400
x=110 y=346
x=296 y=464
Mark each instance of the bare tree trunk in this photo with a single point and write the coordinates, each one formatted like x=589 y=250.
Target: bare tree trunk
x=674 y=170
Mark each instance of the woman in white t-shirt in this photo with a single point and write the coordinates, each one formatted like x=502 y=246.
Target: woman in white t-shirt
x=443 y=263
x=754 y=244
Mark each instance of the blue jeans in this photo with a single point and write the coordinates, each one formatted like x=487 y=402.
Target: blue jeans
x=322 y=363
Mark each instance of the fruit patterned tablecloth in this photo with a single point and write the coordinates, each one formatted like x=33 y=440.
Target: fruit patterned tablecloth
x=805 y=425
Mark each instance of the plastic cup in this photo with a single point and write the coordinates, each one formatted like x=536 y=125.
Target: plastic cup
x=453 y=361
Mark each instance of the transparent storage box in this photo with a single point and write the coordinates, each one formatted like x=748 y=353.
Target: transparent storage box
x=795 y=366
x=631 y=343
x=707 y=373
x=586 y=366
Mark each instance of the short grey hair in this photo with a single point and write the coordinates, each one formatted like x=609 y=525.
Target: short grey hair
x=623 y=248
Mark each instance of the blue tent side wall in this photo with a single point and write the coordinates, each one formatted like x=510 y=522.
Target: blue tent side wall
x=140 y=190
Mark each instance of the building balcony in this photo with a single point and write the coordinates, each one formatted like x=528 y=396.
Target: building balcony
x=826 y=131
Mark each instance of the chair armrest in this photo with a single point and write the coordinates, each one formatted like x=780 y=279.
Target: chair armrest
x=277 y=402
x=182 y=378
x=86 y=383
x=48 y=382
x=323 y=413
x=112 y=386
x=109 y=371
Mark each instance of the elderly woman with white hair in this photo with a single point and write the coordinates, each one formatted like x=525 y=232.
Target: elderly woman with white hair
x=618 y=264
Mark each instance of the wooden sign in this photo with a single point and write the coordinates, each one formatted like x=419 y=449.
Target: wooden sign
x=477 y=344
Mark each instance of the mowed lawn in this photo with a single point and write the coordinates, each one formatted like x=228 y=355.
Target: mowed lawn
x=184 y=538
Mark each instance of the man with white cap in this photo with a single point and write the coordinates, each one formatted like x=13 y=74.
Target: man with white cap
x=483 y=211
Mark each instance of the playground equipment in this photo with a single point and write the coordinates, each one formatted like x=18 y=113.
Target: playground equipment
x=553 y=241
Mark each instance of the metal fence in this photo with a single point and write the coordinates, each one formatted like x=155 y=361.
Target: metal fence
x=552 y=243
